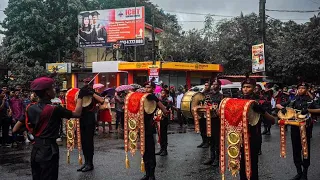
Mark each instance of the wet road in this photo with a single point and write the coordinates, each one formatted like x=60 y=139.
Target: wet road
x=183 y=162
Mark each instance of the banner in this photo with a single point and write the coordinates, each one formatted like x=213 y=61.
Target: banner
x=106 y=27
x=59 y=67
x=258 y=59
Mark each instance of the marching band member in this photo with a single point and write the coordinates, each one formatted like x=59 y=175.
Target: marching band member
x=44 y=120
x=149 y=156
x=303 y=102
x=216 y=98
x=87 y=128
x=164 y=123
x=203 y=129
x=247 y=87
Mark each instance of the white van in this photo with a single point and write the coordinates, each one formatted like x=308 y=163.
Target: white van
x=229 y=90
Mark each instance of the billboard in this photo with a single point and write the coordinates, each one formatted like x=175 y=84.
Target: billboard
x=102 y=28
x=258 y=58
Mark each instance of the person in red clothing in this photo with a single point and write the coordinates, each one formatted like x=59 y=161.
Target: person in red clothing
x=105 y=115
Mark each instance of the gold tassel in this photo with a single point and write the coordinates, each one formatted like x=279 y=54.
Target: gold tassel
x=223 y=178
x=80 y=159
x=68 y=157
x=127 y=161
x=142 y=166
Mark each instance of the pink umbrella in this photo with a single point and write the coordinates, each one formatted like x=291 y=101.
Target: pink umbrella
x=124 y=88
x=225 y=81
x=142 y=90
x=98 y=86
x=158 y=89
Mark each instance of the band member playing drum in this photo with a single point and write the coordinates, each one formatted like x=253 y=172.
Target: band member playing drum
x=303 y=102
x=43 y=120
x=149 y=156
x=87 y=128
x=216 y=98
x=164 y=123
x=248 y=86
x=203 y=130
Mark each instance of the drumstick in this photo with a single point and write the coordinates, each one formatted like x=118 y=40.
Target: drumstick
x=94 y=78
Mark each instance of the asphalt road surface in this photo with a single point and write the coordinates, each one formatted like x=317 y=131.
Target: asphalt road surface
x=184 y=161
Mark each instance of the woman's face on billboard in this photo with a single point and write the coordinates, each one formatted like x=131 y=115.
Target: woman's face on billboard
x=86 y=20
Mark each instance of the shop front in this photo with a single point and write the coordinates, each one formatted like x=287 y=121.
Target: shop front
x=171 y=73
x=109 y=75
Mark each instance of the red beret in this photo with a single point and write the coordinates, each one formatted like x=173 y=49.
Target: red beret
x=42 y=84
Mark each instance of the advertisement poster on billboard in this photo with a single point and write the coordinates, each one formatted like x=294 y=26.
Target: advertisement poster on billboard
x=102 y=28
x=258 y=59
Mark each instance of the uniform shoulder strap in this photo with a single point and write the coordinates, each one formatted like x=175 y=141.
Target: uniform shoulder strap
x=27 y=118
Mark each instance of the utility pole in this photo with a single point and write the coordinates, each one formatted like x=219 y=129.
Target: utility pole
x=262 y=13
x=135 y=31
x=153 y=41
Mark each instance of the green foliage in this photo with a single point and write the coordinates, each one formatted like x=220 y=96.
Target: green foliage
x=292 y=49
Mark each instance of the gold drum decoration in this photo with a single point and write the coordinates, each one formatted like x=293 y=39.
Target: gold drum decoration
x=190 y=100
x=132 y=124
x=233 y=138
x=233 y=151
x=133 y=136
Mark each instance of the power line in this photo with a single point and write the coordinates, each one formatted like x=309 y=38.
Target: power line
x=287 y=19
x=293 y=11
x=201 y=14
x=314 y=1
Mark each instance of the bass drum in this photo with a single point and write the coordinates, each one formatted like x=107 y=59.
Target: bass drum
x=71 y=99
x=190 y=100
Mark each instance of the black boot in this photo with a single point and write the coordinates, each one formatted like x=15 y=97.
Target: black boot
x=203 y=142
x=158 y=153
x=208 y=162
x=264 y=131
x=206 y=143
x=146 y=177
x=164 y=152
x=89 y=166
x=268 y=131
x=299 y=175
x=151 y=176
x=216 y=162
x=84 y=165
x=304 y=174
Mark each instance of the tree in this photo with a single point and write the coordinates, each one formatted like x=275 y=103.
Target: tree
x=39 y=31
x=235 y=39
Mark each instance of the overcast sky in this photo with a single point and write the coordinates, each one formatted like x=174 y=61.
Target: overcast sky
x=225 y=7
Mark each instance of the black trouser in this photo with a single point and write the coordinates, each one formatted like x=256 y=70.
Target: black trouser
x=254 y=150
x=267 y=124
x=4 y=125
x=164 y=133
x=181 y=118
x=297 y=148
x=45 y=161
x=119 y=119
x=215 y=139
x=203 y=129
x=149 y=156
x=87 y=132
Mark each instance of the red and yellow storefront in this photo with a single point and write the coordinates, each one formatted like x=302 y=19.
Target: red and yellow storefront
x=176 y=73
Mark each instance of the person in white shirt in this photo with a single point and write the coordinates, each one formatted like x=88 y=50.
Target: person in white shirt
x=178 y=106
